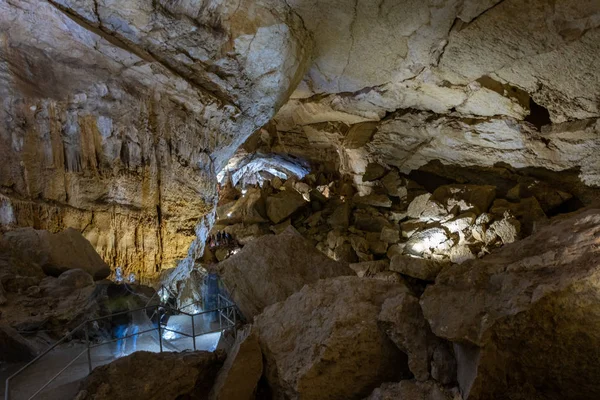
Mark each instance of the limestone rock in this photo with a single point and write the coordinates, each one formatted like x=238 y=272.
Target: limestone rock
x=507 y=311
x=68 y=282
x=14 y=347
x=419 y=268
x=375 y=200
x=467 y=197
x=431 y=240
x=238 y=378
x=443 y=364
x=390 y=235
x=248 y=209
x=2 y=294
x=507 y=229
x=167 y=376
x=402 y=319
x=369 y=268
x=271 y=268
x=413 y=390
x=424 y=207
x=373 y=172
x=394 y=184
x=57 y=252
x=306 y=337
x=244 y=234
x=340 y=218
x=283 y=205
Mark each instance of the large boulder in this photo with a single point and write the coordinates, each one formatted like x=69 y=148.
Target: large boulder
x=154 y=376
x=248 y=209
x=271 y=268
x=324 y=342
x=525 y=319
x=239 y=376
x=283 y=205
x=13 y=346
x=414 y=267
x=56 y=253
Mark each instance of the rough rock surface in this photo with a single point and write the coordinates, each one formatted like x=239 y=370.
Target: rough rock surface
x=127 y=111
x=14 y=347
x=166 y=376
x=313 y=341
x=238 y=378
x=56 y=253
x=414 y=390
x=507 y=312
x=271 y=268
x=426 y=270
x=283 y=204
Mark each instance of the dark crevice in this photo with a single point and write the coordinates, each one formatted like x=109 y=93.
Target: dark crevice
x=538 y=115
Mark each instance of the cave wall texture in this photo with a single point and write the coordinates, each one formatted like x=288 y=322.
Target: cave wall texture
x=117 y=115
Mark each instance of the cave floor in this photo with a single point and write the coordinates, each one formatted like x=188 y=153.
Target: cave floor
x=67 y=384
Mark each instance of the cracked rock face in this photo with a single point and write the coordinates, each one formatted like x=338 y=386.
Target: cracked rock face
x=116 y=116
x=471 y=83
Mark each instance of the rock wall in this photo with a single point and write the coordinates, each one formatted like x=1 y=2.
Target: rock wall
x=117 y=116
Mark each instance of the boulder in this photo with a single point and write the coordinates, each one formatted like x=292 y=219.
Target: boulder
x=375 y=200
x=283 y=205
x=402 y=320
x=340 y=218
x=238 y=378
x=527 y=211
x=395 y=185
x=507 y=230
x=345 y=253
x=324 y=342
x=244 y=234
x=423 y=207
x=390 y=235
x=373 y=172
x=414 y=390
x=66 y=283
x=432 y=240
x=154 y=376
x=56 y=253
x=271 y=268
x=248 y=209
x=476 y=198
x=524 y=319
x=419 y=268
x=13 y=346
x=366 y=221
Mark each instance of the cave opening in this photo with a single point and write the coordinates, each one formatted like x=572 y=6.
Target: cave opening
x=539 y=116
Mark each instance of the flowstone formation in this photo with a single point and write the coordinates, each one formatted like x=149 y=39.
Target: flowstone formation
x=116 y=116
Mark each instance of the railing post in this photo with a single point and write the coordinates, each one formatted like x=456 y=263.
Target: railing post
x=194 y=332
x=87 y=341
x=159 y=329
x=7 y=390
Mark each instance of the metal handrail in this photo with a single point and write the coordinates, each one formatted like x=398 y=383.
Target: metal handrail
x=85 y=324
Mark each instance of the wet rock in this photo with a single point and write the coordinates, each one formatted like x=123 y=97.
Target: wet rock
x=283 y=205
x=473 y=198
x=395 y=185
x=373 y=172
x=370 y=268
x=14 y=347
x=305 y=340
x=166 y=376
x=419 y=268
x=414 y=390
x=507 y=311
x=238 y=378
x=375 y=200
x=272 y=268
x=56 y=252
